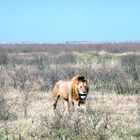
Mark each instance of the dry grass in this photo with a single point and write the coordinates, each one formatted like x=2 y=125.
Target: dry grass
x=26 y=78
x=108 y=117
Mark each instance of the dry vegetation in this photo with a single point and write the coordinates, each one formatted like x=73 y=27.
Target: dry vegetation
x=28 y=72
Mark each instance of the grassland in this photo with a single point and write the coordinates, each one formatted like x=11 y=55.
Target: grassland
x=29 y=71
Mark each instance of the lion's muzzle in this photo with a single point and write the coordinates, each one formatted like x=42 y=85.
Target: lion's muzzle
x=83 y=95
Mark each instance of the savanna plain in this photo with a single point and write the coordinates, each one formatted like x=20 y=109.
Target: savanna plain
x=28 y=72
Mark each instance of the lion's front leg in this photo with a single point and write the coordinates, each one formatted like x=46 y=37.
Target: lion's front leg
x=71 y=103
x=82 y=106
x=68 y=106
x=71 y=106
x=76 y=105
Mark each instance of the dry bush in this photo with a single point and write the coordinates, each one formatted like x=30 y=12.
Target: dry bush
x=4 y=108
x=66 y=58
x=108 y=117
x=3 y=58
x=131 y=67
x=95 y=124
x=115 y=117
x=113 y=79
x=42 y=71
x=72 y=46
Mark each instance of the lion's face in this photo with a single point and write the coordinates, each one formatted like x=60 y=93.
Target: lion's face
x=82 y=88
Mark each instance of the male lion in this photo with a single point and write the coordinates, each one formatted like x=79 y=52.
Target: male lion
x=70 y=91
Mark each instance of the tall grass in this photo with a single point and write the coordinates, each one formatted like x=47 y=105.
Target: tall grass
x=27 y=114
x=107 y=118
x=106 y=73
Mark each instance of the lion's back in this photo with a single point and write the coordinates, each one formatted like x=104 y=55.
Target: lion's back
x=62 y=88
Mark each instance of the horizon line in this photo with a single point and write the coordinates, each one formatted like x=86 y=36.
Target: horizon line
x=67 y=42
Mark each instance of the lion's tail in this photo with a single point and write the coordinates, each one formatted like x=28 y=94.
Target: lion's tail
x=55 y=95
x=55 y=91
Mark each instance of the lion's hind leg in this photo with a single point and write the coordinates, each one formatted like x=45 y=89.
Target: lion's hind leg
x=55 y=103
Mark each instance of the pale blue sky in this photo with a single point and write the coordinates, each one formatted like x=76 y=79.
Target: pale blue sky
x=69 y=20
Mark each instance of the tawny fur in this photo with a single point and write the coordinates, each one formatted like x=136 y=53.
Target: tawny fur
x=67 y=90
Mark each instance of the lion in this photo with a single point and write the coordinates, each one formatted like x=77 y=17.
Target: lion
x=71 y=92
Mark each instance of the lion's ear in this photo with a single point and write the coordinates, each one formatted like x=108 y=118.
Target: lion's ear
x=81 y=78
x=78 y=78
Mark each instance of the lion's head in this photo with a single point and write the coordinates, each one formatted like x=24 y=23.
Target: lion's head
x=80 y=88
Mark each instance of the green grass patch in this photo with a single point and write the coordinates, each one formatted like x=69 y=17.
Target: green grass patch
x=99 y=59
